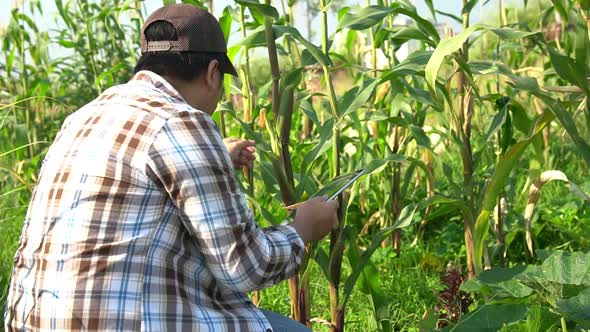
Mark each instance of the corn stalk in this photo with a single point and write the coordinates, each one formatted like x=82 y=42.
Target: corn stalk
x=465 y=116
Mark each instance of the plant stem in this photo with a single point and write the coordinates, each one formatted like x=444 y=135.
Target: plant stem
x=274 y=63
x=247 y=94
x=465 y=117
x=336 y=244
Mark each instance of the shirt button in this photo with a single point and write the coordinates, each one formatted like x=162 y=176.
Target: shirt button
x=268 y=330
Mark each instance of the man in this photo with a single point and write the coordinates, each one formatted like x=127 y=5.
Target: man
x=137 y=221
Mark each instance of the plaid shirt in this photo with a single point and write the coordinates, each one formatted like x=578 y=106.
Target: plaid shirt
x=138 y=223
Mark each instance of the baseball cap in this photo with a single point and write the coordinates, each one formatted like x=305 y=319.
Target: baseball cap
x=197 y=31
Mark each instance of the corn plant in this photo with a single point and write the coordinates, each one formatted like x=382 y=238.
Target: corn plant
x=499 y=96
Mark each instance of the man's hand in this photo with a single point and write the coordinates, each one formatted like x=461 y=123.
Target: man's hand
x=241 y=151
x=315 y=218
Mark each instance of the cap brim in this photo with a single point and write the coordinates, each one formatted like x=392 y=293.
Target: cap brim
x=227 y=67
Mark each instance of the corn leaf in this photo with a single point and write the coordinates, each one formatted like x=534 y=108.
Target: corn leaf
x=496 y=185
x=446 y=47
x=570 y=70
x=364 y=18
x=259 y=8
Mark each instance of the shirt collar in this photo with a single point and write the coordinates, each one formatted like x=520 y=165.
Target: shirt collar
x=158 y=82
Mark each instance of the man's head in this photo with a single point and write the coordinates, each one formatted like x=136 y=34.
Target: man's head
x=185 y=45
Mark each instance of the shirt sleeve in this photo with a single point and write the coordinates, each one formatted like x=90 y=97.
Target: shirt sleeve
x=189 y=160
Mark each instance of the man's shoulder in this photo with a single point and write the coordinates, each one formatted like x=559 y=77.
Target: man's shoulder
x=139 y=97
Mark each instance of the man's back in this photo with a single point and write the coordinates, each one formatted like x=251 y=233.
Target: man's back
x=137 y=223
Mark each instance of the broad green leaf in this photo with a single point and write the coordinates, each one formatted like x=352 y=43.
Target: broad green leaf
x=446 y=47
x=502 y=282
x=490 y=317
x=570 y=269
x=255 y=6
x=577 y=307
x=364 y=18
x=539 y=319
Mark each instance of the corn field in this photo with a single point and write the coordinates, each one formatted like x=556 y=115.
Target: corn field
x=473 y=213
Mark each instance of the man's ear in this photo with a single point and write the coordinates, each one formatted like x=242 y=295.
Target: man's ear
x=212 y=77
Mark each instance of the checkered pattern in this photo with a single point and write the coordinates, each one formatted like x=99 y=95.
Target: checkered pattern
x=137 y=223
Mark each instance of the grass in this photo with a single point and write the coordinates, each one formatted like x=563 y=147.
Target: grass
x=410 y=283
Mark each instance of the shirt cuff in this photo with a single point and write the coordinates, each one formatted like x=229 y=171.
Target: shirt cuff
x=293 y=237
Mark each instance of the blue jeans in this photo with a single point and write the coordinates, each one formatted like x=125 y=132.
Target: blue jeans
x=281 y=323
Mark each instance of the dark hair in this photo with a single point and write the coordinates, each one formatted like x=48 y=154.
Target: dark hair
x=185 y=66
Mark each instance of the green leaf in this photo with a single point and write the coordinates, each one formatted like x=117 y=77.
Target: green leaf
x=364 y=18
x=570 y=70
x=508 y=33
x=281 y=30
x=359 y=267
x=431 y=8
x=66 y=43
x=406 y=216
x=404 y=34
x=498 y=120
x=420 y=136
x=413 y=64
x=570 y=269
x=560 y=7
x=364 y=93
x=446 y=47
x=259 y=8
x=378 y=165
x=577 y=307
x=539 y=319
x=491 y=317
x=370 y=284
x=468 y=6
x=496 y=185
x=225 y=22
x=452 y=16
x=503 y=282
x=257 y=38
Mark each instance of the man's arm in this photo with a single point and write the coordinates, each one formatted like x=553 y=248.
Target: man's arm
x=188 y=158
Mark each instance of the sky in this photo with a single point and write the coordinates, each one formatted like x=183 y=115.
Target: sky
x=451 y=6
